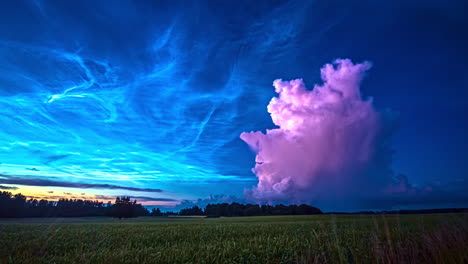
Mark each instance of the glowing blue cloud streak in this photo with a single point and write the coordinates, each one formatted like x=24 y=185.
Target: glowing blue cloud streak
x=76 y=115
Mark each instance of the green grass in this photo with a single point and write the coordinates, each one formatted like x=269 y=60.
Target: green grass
x=273 y=239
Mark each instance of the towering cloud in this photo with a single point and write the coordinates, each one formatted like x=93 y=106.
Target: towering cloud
x=330 y=147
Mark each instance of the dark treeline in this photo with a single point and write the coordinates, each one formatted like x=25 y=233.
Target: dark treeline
x=237 y=209
x=428 y=211
x=18 y=206
x=408 y=211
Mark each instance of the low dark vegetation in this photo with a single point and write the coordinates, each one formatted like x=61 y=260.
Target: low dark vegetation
x=18 y=206
x=406 y=212
x=236 y=209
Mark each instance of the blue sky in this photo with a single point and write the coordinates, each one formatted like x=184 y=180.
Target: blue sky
x=154 y=94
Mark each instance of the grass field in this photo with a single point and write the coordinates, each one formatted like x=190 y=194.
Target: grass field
x=272 y=239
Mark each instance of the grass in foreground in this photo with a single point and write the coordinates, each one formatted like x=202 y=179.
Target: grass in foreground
x=273 y=239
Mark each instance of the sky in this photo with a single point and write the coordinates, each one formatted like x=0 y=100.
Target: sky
x=149 y=99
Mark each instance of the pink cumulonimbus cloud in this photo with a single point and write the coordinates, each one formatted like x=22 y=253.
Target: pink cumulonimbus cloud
x=327 y=143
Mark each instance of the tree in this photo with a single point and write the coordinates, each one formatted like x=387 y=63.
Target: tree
x=125 y=208
x=156 y=212
x=191 y=211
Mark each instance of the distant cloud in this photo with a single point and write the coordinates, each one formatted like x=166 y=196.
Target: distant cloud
x=402 y=193
x=3 y=187
x=6 y=179
x=212 y=199
x=138 y=198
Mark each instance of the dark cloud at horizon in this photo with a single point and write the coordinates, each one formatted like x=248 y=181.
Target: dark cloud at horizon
x=138 y=198
x=2 y=187
x=49 y=183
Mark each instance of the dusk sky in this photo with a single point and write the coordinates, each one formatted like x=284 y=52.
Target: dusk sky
x=150 y=98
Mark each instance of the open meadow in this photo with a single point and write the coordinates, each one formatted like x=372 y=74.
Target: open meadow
x=272 y=239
